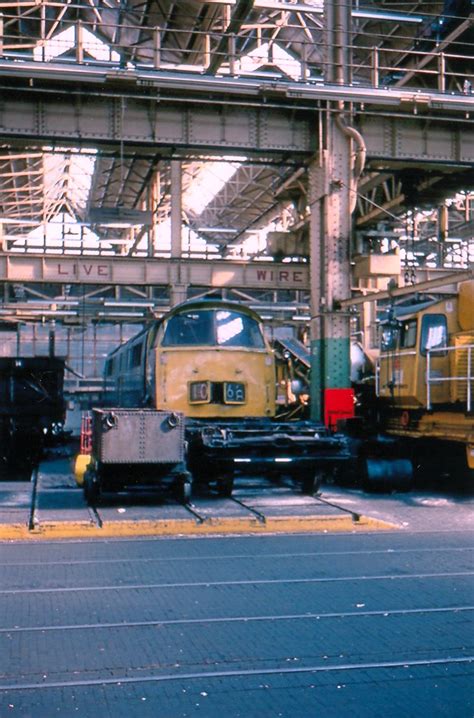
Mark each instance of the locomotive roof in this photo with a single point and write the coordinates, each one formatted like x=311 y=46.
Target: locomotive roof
x=211 y=303
x=190 y=304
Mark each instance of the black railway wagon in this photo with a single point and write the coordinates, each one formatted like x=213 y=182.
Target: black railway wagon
x=31 y=406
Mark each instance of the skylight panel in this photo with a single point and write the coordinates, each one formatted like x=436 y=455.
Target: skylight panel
x=67 y=40
x=273 y=55
x=209 y=183
x=63 y=230
x=74 y=164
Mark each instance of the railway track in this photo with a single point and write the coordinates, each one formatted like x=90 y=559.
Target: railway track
x=53 y=502
x=205 y=516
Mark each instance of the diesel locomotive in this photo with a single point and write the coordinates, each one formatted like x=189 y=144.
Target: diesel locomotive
x=209 y=361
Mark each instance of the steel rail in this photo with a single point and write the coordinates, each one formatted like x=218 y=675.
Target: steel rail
x=190 y=507
x=226 y=557
x=96 y=519
x=248 y=582
x=200 y=675
x=260 y=517
x=236 y=619
x=355 y=515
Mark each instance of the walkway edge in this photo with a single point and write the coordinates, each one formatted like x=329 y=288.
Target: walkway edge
x=188 y=527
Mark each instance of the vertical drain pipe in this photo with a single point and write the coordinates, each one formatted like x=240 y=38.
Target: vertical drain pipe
x=360 y=155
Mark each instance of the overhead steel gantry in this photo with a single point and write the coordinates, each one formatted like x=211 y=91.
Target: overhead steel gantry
x=50 y=269
x=145 y=109
x=329 y=126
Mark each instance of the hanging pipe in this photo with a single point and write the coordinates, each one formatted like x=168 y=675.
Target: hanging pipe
x=359 y=159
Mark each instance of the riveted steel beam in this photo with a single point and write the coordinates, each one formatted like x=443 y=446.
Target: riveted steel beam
x=146 y=272
x=144 y=122
x=417 y=140
x=230 y=127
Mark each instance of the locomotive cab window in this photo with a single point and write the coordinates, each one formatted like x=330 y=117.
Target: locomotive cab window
x=136 y=355
x=213 y=328
x=189 y=329
x=434 y=334
x=109 y=367
x=237 y=330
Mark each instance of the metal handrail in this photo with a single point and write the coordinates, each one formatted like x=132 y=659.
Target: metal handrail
x=469 y=378
x=374 y=68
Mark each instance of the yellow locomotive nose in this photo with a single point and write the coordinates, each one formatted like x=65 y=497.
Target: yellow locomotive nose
x=220 y=383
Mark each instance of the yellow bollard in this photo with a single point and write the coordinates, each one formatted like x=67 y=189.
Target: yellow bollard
x=80 y=465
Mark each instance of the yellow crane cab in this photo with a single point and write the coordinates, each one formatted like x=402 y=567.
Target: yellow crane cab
x=425 y=381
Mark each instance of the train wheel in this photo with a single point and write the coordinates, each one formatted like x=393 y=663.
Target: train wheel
x=312 y=482
x=201 y=476
x=387 y=475
x=91 y=486
x=225 y=485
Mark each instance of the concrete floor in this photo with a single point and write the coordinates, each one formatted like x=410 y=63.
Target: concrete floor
x=53 y=506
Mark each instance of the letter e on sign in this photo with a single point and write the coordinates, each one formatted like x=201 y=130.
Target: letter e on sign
x=93 y=272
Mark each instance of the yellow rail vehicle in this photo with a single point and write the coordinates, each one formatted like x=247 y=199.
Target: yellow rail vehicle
x=425 y=382
x=207 y=359
x=210 y=361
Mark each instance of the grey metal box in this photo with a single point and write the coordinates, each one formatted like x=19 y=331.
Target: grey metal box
x=137 y=436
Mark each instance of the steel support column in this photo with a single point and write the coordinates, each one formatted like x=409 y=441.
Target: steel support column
x=155 y=190
x=330 y=224
x=330 y=178
x=176 y=208
x=178 y=287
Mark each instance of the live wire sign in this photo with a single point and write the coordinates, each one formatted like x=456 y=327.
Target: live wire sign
x=83 y=270
x=283 y=277
x=149 y=271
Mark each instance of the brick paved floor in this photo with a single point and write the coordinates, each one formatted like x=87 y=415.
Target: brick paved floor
x=292 y=626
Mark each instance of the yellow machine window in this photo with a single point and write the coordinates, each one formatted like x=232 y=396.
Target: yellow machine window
x=408 y=334
x=434 y=334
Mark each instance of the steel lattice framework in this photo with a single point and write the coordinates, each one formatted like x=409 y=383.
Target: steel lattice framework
x=138 y=84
